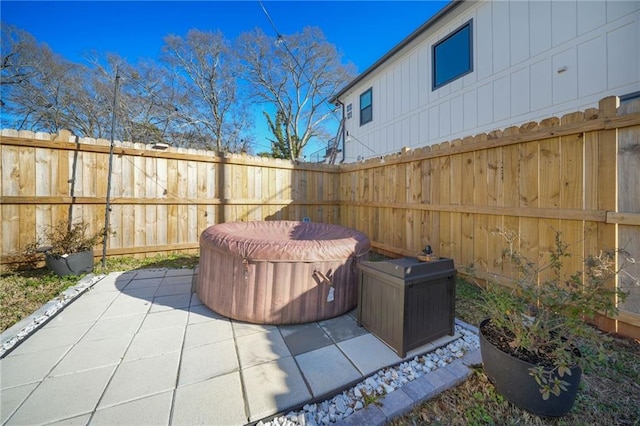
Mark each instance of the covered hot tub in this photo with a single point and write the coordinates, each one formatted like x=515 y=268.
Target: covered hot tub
x=280 y=272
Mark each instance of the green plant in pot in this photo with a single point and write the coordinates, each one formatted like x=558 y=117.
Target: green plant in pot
x=68 y=247
x=537 y=338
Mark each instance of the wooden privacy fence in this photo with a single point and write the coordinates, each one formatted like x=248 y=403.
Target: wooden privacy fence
x=579 y=175
x=161 y=201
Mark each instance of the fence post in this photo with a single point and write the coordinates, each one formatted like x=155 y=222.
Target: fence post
x=628 y=156
x=607 y=183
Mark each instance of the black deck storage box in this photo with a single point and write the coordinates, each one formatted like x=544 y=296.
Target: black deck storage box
x=407 y=303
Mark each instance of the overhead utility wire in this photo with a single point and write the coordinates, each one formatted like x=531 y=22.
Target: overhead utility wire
x=280 y=40
x=362 y=143
x=270 y=20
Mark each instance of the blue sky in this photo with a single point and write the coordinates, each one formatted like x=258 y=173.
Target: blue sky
x=362 y=30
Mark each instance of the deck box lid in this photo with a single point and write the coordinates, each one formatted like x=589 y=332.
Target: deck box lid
x=409 y=267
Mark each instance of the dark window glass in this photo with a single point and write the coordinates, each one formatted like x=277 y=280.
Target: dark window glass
x=453 y=56
x=366 y=107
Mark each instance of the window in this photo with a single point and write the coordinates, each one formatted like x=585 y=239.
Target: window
x=366 y=107
x=453 y=56
x=349 y=111
x=629 y=97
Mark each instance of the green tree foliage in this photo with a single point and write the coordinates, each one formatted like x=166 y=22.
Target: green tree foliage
x=280 y=146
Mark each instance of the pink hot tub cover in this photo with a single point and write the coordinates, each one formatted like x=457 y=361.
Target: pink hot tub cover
x=276 y=272
x=286 y=240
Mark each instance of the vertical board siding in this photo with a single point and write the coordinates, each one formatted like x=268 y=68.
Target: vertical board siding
x=531 y=59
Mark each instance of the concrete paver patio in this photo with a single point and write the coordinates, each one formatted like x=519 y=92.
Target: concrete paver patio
x=140 y=348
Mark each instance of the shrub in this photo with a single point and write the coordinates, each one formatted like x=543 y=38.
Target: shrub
x=65 y=238
x=545 y=321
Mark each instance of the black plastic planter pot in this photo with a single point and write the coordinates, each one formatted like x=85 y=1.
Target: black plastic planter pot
x=73 y=264
x=511 y=378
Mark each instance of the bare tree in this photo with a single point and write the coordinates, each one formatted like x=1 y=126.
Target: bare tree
x=205 y=73
x=38 y=86
x=147 y=106
x=192 y=102
x=90 y=110
x=18 y=53
x=197 y=96
x=298 y=74
x=43 y=92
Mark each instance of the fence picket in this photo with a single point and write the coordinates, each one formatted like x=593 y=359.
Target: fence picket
x=555 y=175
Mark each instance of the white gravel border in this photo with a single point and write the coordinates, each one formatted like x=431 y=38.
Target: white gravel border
x=381 y=383
x=13 y=336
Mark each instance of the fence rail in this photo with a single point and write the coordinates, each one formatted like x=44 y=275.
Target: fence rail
x=578 y=174
x=570 y=175
x=160 y=200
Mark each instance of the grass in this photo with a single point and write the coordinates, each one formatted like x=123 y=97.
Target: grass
x=24 y=291
x=608 y=395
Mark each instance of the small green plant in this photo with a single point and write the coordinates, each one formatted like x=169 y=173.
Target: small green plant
x=545 y=321
x=371 y=398
x=65 y=238
x=477 y=414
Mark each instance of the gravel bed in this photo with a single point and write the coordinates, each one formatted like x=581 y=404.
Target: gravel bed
x=381 y=383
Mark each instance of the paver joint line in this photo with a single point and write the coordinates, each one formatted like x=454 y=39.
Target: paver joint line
x=243 y=387
x=287 y=359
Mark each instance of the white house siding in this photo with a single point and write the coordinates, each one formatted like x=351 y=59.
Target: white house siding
x=518 y=48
